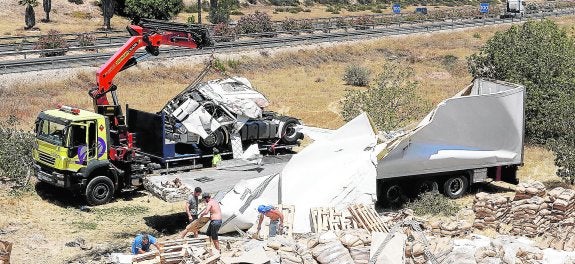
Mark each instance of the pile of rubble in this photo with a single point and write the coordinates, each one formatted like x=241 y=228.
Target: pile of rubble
x=490 y=210
x=529 y=210
x=169 y=191
x=450 y=228
x=508 y=250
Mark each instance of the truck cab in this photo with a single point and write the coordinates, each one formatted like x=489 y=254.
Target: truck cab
x=71 y=151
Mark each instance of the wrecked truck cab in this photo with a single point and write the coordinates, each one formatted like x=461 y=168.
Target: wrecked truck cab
x=471 y=137
x=227 y=115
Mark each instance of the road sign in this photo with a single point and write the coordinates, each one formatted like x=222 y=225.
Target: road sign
x=396 y=9
x=484 y=7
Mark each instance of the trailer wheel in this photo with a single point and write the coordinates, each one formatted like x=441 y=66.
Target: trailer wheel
x=393 y=194
x=99 y=191
x=289 y=134
x=455 y=187
x=424 y=186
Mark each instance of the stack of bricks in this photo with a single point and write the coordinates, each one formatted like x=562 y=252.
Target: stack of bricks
x=490 y=210
x=529 y=210
x=450 y=228
x=562 y=204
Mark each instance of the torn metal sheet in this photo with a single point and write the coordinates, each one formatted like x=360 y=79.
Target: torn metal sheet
x=333 y=172
x=482 y=126
x=393 y=251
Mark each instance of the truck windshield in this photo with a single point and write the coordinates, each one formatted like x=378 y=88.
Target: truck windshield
x=52 y=132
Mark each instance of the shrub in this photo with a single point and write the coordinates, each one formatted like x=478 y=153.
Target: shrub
x=15 y=152
x=449 y=61
x=236 y=13
x=223 y=32
x=86 y=39
x=284 y=2
x=476 y=35
x=363 y=22
x=52 y=40
x=156 y=9
x=78 y=2
x=258 y=22
x=433 y=203
x=356 y=76
x=191 y=20
x=391 y=103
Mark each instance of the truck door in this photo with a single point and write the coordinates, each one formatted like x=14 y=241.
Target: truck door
x=83 y=143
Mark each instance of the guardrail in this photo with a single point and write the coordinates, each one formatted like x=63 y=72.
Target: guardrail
x=280 y=39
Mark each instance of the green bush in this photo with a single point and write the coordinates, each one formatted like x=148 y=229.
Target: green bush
x=15 y=152
x=156 y=9
x=52 y=40
x=433 y=203
x=284 y=2
x=356 y=75
x=449 y=61
x=223 y=32
x=86 y=39
x=538 y=55
x=391 y=103
x=258 y=22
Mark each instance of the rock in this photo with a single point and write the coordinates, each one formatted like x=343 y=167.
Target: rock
x=78 y=242
x=274 y=245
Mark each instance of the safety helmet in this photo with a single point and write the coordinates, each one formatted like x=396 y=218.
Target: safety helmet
x=264 y=208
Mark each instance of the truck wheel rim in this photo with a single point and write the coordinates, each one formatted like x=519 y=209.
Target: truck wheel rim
x=456 y=186
x=100 y=191
x=290 y=131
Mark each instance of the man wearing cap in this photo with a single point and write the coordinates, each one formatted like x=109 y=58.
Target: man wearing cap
x=192 y=210
x=142 y=244
x=275 y=215
x=215 y=211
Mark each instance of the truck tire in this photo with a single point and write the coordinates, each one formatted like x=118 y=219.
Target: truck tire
x=424 y=186
x=393 y=194
x=215 y=139
x=288 y=134
x=455 y=187
x=100 y=190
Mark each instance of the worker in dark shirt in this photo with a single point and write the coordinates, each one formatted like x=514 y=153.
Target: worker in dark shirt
x=192 y=209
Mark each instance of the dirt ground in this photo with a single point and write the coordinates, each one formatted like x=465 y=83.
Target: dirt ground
x=303 y=83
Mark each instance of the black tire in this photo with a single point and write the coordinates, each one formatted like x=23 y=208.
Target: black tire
x=99 y=191
x=455 y=187
x=215 y=139
x=393 y=194
x=288 y=134
x=424 y=186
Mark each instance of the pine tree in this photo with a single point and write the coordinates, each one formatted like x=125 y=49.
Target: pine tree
x=47 y=8
x=30 y=17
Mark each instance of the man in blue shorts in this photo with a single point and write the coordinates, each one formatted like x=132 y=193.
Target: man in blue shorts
x=142 y=244
x=215 y=219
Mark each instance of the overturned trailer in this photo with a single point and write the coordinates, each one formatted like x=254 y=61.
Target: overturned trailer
x=471 y=137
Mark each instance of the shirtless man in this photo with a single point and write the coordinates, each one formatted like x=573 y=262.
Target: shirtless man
x=213 y=208
x=276 y=219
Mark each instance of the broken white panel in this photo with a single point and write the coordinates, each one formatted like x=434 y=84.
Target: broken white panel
x=315 y=133
x=252 y=154
x=237 y=145
x=198 y=121
x=333 y=172
x=239 y=206
x=237 y=95
x=393 y=252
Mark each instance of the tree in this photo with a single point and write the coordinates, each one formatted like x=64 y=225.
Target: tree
x=258 y=22
x=107 y=12
x=47 y=4
x=541 y=56
x=29 y=17
x=156 y=9
x=391 y=103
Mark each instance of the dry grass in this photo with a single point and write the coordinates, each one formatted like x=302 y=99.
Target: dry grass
x=65 y=17
x=40 y=228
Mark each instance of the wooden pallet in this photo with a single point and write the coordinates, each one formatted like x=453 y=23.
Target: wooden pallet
x=188 y=250
x=326 y=218
x=367 y=218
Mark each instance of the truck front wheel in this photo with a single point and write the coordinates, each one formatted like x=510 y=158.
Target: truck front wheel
x=100 y=190
x=393 y=194
x=456 y=187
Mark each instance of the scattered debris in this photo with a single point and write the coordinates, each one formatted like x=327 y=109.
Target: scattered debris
x=451 y=228
x=169 y=191
x=78 y=242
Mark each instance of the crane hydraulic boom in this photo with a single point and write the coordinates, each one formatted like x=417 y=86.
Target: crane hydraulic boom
x=150 y=34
